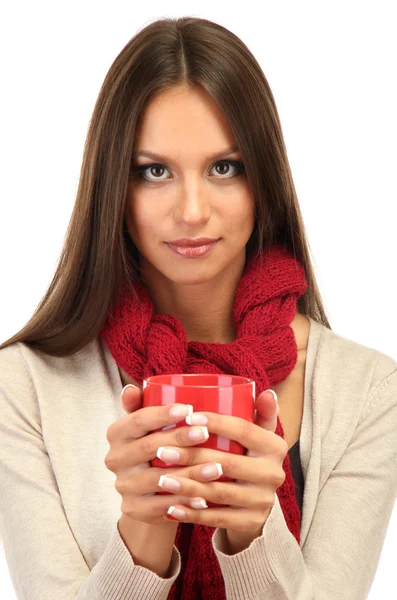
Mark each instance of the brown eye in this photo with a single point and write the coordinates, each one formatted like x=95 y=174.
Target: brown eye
x=225 y=165
x=222 y=164
x=152 y=168
x=157 y=170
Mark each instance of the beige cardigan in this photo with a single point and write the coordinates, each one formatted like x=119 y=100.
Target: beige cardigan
x=59 y=507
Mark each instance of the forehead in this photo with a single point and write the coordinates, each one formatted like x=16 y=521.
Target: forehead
x=180 y=118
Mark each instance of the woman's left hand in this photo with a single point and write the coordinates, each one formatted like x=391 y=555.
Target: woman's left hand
x=257 y=474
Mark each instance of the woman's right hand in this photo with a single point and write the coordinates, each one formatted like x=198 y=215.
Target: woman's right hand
x=132 y=446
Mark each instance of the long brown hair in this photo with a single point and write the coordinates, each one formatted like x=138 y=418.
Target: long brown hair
x=98 y=257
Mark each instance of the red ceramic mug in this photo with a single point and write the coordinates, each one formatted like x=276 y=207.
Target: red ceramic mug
x=218 y=393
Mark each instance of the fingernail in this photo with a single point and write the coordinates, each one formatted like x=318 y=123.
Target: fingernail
x=274 y=394
x=214 y=470
x=198 y=503
x=198 y=433
x=168 y=483
x=168 y=454
x=196 y=419
x=128 y=385
x=177 y=513
x=181 y=410
x=169 y=518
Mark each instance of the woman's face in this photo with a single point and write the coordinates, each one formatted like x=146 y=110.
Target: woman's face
x=187 y=193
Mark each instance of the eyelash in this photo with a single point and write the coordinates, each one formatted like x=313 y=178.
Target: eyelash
x=139 y=171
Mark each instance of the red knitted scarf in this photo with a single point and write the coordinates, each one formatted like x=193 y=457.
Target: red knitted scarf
x=144 y=343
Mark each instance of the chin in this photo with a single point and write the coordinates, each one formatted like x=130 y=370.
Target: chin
x=191 y=274
x=193 y=271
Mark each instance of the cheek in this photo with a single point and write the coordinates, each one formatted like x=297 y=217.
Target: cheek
x=137 y=213
x=249 y=209
x=130 y=217
x=242 y=213
x=142 y=218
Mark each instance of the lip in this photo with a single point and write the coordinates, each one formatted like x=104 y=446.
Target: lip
x=192 y=243
x=186 y=249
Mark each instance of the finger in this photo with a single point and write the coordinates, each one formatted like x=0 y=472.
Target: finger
x=235 y=466
x=141 y=482
x=267 y=410
x=219 y=492
x=266 y=413
x=238 y=519
x=131 y=398
x=146 y=448
x=148 y=509
x=249 y=435
x=124 y=457
x=144 y=420
x=199 y=481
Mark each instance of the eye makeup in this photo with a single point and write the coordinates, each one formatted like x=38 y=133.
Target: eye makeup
x=138 y=172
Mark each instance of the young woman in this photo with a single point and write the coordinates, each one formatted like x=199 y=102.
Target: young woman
x=186 y=253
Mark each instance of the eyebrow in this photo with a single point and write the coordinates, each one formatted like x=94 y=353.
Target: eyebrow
x=163 y=158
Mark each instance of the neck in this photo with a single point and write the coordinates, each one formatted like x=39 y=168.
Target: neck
x=205 y=313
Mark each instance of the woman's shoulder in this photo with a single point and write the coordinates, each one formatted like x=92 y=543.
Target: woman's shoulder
x=41 y=387
x=14 y=372
x=20 y=361
x=346 y=363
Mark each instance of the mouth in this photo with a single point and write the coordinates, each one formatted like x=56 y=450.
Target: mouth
x=193 y=248
x=193 y=243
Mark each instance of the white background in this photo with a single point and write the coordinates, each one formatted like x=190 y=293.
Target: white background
x=332 y=69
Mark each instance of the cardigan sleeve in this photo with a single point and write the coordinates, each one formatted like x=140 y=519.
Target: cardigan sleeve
x=341 y=552
x=43 y=557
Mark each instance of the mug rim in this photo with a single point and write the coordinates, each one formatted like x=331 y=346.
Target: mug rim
x=247 y=380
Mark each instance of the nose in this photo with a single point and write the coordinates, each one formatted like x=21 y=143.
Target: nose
x=192 y=207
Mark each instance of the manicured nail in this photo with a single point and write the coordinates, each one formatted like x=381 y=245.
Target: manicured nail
x=181 y=410
x=196 y=419
x=274 y=394
x=198 y=433
x=176 y=513
x=127 y=386
x=214 y=470
x=169 y=483
x=198 y=503
x=168 y=454
x=169 y=518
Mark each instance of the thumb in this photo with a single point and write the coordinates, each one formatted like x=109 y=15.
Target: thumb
x=131 y=398
x=267 y=410
x=266 y=413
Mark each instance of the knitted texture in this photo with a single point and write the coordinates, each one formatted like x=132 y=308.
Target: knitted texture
x=144 y=343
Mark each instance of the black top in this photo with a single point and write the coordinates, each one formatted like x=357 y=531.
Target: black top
x=297 y=474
